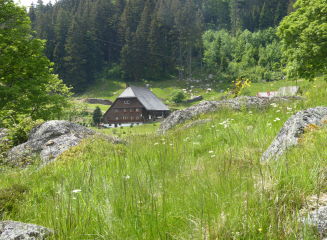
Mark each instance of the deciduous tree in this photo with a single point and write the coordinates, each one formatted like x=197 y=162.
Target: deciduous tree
x=26 y=83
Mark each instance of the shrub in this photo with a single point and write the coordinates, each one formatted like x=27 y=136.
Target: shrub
x=115 y=71
x=177 y=96
x=10 y=198
x=17 y=134
x=241 y=87
x=97 y=115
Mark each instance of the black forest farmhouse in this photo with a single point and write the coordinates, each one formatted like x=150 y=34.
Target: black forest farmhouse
x=136 y=105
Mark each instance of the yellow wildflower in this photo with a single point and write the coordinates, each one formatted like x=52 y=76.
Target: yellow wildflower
x=307 y=93
x=260 y=229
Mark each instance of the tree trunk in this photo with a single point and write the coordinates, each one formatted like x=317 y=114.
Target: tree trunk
x=190 y=63
x=201 y=59
x=235 y=20
x=109 y=54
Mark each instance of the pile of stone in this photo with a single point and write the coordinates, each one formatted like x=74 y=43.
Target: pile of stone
x=194 y=99
x=98 y=101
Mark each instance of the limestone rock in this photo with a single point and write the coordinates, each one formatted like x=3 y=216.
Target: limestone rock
x=99 y=100
x=3 y=134
x=194 y=99
x=182 y=115
x=291 y=131
x=12 y=230
x=318 y=218
x=195 y=123
x=49 y=139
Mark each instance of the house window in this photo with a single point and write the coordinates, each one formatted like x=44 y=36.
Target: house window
x=116 y=118
x=125 y=110
x=132 y=118
x=116 y=110
x=137 y=118
x=126 y=102
x=125 y=118
x=108 y=118
x=131 y=110
x=137 y=110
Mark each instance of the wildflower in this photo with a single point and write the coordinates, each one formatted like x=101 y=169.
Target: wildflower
x=277 y=119
x=196 y=143
x=268 y=124
x=199 y=136
x=307 y=93
x=76 y=190
x=171 y=144
x=250 y=112
x=271 y=84
x=164 y=143
x=315 y=79
x=278 y=111
x=155 y=144
x=314 y=86
x=210 y=151
x=127 y=177
x=289 y=108
x=212 y=126
x=213 y=155
x=260 y=229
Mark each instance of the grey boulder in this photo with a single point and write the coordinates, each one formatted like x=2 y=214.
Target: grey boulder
x=180 y=116
x=12 y=230
x=318 y=219
x=291 y=131
x=49 y=140
x=3 y=134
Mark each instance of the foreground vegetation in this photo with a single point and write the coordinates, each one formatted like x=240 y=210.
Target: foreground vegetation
x=206 y=182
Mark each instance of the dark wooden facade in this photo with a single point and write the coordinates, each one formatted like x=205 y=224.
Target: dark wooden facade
x=128 y=110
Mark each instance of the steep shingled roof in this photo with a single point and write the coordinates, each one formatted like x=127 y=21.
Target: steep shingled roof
x=146 y=97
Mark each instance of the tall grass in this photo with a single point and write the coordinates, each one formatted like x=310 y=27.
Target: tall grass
x=205 y=182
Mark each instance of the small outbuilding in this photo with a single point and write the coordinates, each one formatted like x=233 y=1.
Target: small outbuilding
x=135 y=105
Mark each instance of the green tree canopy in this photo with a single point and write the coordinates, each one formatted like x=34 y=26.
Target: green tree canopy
x=304 y=38
x=26 y=83
x=97 y=115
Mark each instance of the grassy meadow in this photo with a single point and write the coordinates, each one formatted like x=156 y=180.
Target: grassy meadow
x=205 y=182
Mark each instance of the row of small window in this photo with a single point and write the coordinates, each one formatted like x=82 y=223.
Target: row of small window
x=131 y=110
x=125 y=118
x=132 y=118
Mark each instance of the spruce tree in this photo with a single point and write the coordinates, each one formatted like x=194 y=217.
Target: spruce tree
x=155 y=40
x=97 y=115
x=264 y=21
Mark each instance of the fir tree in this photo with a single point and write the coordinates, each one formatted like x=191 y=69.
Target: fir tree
x=264 y=21
x=97 y=115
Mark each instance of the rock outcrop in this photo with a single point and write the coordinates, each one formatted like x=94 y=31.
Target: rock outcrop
x=3 y=134
x=49 y=140
x=291 y=131
x=12 y=230
x=99 y=101
x=318 y=219
x=194 y=99
x=182 y=115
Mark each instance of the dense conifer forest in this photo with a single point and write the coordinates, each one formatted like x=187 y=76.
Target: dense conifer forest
x=139 y=39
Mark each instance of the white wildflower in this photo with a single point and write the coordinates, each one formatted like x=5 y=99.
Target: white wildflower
x=76 y=190
x=210 y=151
x=213 y=155
x=278 y=111
x=155 y=144
x=127 y=177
